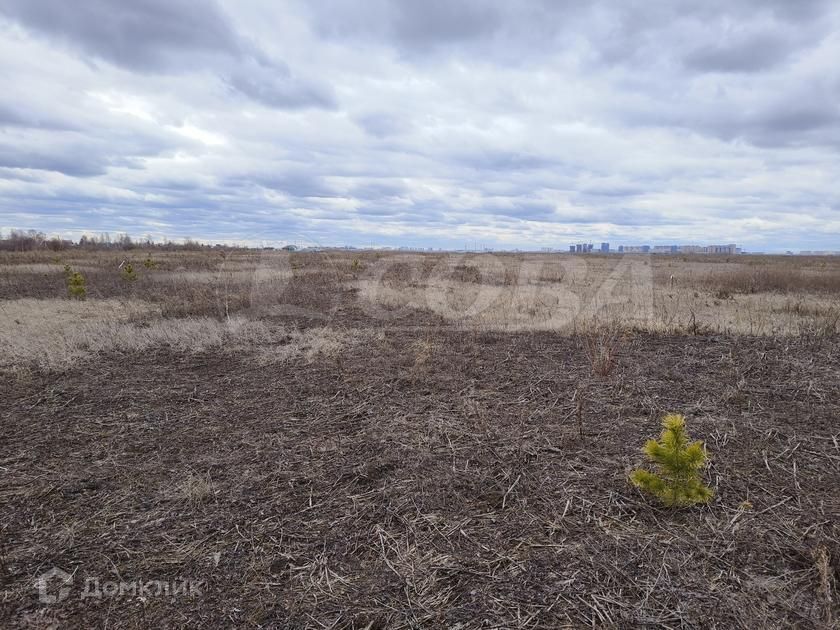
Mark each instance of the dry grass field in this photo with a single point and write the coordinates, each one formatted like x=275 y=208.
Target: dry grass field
x=391 y=440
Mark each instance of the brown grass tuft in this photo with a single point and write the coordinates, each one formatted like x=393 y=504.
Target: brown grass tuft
x=602 y=343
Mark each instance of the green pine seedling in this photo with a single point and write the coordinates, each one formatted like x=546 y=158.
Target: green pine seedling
x=678 y=482
x=76 y=286
x=128 y=273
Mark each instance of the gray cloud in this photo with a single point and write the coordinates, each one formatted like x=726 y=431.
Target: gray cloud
x=428 y=123
x=12 y=157
x=83 y=153
x=295 y=184
x=440 y=21
x=382 y=189
x=169 y=36
x=798 y=116
x=272 y=84
x=522 y=209
x=378 y=211
x=748 y=54
x=145 y=35
x=382 y=124
x=507 y=161
x=12 y=116
x=615 y=33
x=412 y=24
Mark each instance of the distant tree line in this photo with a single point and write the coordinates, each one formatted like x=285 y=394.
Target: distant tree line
x=31 y=240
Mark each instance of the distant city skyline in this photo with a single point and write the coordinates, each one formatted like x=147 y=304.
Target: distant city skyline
x=605 y=248
x=121 y=239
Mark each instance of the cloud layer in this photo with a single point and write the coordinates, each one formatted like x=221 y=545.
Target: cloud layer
x=435 y=123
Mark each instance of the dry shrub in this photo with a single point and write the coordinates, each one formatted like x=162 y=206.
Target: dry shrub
x=423 y=351
x=826 y=588
x=602 y=343
x=195 y=488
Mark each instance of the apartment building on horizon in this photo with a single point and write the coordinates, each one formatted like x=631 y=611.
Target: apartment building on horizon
x=729 y=249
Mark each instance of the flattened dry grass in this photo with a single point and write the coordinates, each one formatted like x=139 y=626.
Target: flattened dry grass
x=310 y=345
x=359 y=494
x=53 y=334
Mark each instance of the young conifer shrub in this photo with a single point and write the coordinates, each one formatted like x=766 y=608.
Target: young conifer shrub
x=678 y=482
x=76 y=286
x=127 y=272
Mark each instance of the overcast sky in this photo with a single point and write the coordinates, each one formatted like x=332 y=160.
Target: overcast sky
x=433 y=123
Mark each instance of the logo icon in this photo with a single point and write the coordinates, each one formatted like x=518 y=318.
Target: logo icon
x=49 y=581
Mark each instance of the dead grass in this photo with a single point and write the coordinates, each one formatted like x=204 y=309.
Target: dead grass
x=423 y=441
x=195 y=488
x=777 y=278
x=56 y=333
x=348 y=492
x=602 y=343
x=504 y=292
x=309 y=345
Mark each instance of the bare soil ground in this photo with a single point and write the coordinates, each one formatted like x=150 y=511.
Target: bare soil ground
x=357 y=471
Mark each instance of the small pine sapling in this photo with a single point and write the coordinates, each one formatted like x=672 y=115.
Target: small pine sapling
x=76 y=288
x=127 y=273
x=679 y=482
